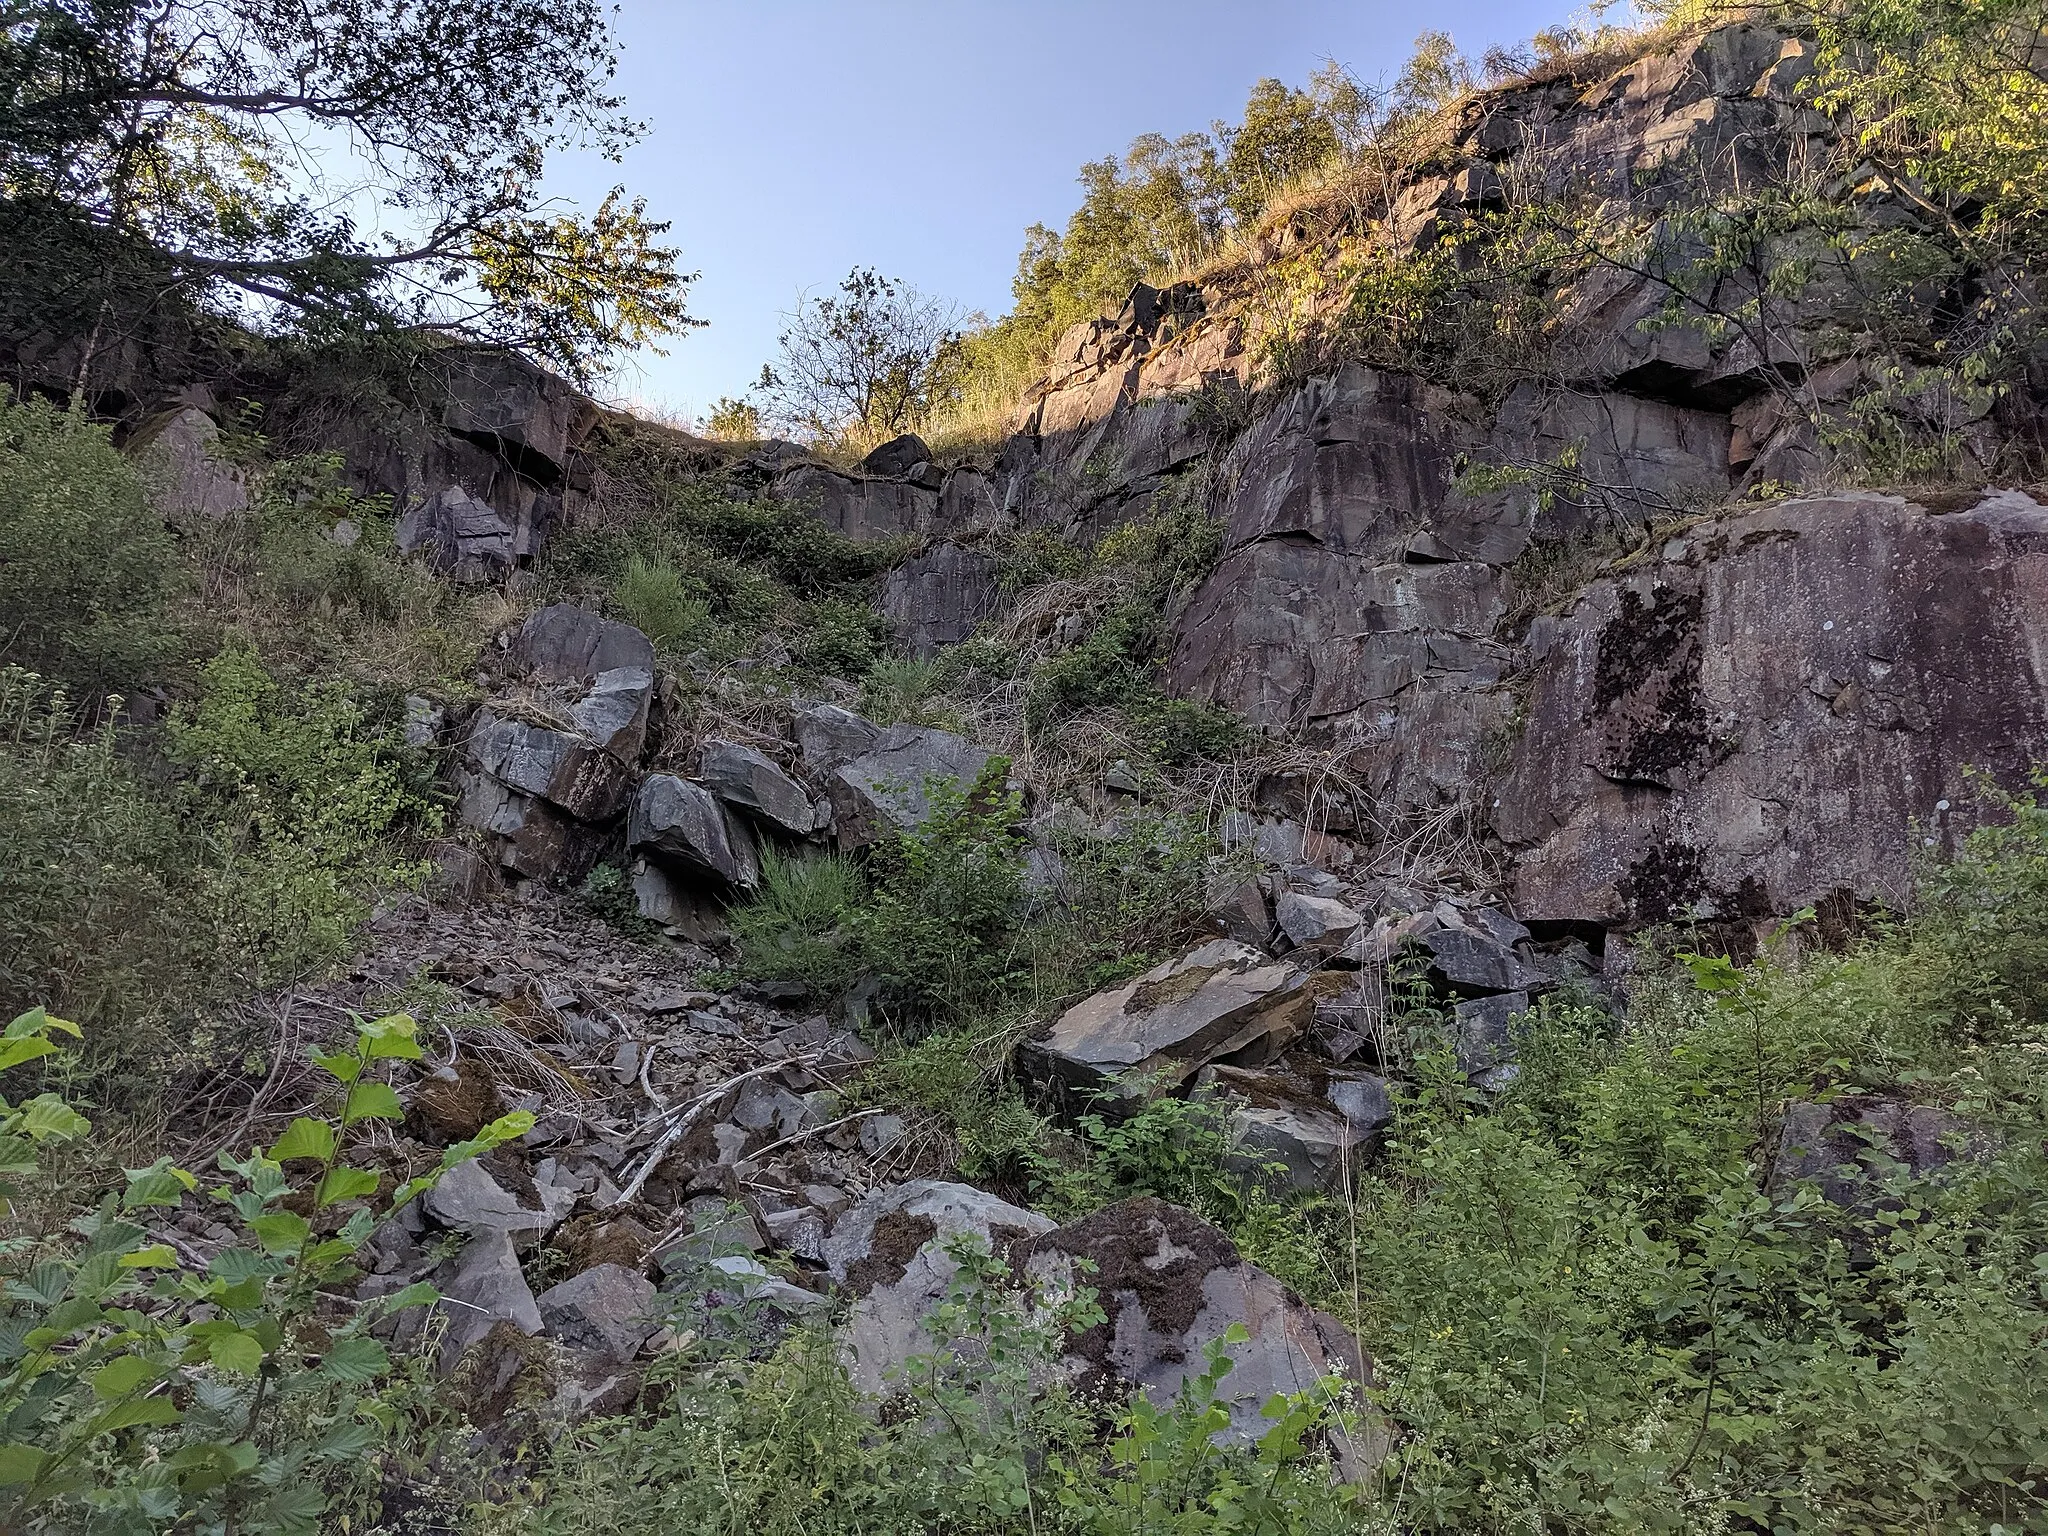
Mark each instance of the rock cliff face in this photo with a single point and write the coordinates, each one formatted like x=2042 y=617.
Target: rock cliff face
x=1749 y=716
x=1763 y=709
x=1760 y=716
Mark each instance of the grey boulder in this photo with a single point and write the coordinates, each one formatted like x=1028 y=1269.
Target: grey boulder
x=1483 y=1032
x=898 y=456
x=563 y=643
x=1307 y=1134
x=468 y=1199
x=888 y=1253
x=486 y=1287
x=1850 y=1146
x=888 y=788
x=684 y=823
x=606 y=1311
x=827 y=735
x=1170 y=1286
x=1319 y=925
x=1222 y=1000
x=180 y=453
x=743 y=777
x=561 y=767
x=460 y=537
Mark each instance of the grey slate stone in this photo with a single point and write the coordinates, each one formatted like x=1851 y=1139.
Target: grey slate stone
x=606 y=1311
x=743 y=777
x=684 y=823
x=887 y=788
x=462 y=538
x=827 y=735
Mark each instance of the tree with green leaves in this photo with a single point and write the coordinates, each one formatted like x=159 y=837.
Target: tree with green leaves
x=327 y=166
x=864 y=363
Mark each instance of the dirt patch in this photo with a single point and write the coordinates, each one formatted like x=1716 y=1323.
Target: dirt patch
x=1126 y=1243
x=898 y=1236
x=448 y=1110
x=605 y=1237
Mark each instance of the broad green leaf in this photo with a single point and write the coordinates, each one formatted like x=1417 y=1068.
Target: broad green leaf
x=14 y=1052
x=320 y=1255
x=372 y=1101
x=355 y=1359
x=120 y=1376
x=390 y=1037
x=48 y=1118
x=158 y=1184
x=306 y=1137
x=19 y=1464
x=420 y=1293
x=280 y=1231
x=35 y=1021
x=342 y=1067
x=348 y=1439
x=345 y=1184
x=141 y=1410
x=240 y=1352
x=412 y=1189
x=237 y=1265
x=506 y=1128
x=156 y=1256
x=294 y=1510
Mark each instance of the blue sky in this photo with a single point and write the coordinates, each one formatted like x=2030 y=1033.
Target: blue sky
x=791 y=139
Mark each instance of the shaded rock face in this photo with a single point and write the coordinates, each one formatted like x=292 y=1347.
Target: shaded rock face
x=939 y=597
x=685 y=824
x=886 y=786
x=564 y=644
x=861 y=507
x=544 y=792
x=1394 y=663
x=1852 y=1146
x=750 y=781
x=491 y=424
x=1169 y=1286
x=460 y=537
x=180 y=451
x=898 y=456
x=1752 y=722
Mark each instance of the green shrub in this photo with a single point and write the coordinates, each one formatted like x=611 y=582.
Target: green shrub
x=105 y=891
x=898 y=690
x=800 y=924
x=138 y=1394
x=87 y=570
x=939 y=928
x=305 y=797
x=651 y=597
x=839 y=637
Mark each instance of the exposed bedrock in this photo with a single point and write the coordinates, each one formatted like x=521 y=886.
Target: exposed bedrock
x=1761 y=716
